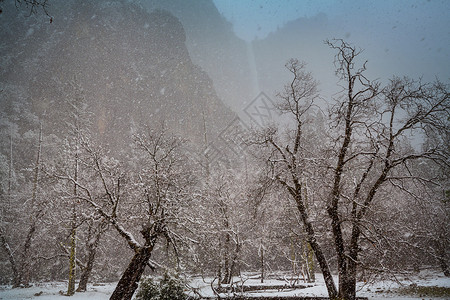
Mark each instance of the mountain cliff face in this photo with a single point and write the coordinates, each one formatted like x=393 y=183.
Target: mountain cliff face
x=241 y=70
x=303 y=39
x=132 y=67
x=214 y=47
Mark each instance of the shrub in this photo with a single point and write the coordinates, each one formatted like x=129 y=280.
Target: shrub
x=168 y=288
x=171 y=288
x=148 y=289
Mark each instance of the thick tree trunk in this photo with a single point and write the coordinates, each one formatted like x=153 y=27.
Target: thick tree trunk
x=328 y=278
x=86 y=273
x=128 y=283
x=352 y=263
x=329 y=281
x=311 y=238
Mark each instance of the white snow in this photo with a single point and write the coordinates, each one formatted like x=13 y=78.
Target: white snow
x=53 y=290
x=375 y=291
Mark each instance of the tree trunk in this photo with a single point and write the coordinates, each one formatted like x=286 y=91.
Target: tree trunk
x=72 y=258
x=442 y=256
x=128 y=283
x=328 y=278
x=226 y=260
x=24 y=274
x=236 y=271
x=12 y=261
x=10 y=166
x=309 y=253
x=309 y=261
x=73 y=233
x=348 y=288
x=444 y=266
x=261 y=250
x=86 y=272
x=226 y=248
x=311 y=238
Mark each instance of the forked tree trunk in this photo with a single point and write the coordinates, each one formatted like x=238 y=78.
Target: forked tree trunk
x=86 y=272
x=128 y=283
x=311 y=238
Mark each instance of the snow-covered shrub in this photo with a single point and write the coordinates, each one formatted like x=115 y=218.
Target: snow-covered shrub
x=169 y=288
x=148 y=289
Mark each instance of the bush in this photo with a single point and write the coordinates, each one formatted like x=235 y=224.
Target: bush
x=169 y=288
x=148 y=290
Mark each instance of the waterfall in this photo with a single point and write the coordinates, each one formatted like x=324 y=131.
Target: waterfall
x=255 y=90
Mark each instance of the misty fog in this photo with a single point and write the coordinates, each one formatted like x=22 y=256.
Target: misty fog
x=223 y=147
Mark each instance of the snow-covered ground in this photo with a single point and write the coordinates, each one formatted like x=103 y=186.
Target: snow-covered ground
x=53 y=290
x=378 y=290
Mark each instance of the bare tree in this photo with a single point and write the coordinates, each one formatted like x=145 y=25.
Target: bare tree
x=155 y=197
x=286 y=155
x=33 y=6
x=369 y=123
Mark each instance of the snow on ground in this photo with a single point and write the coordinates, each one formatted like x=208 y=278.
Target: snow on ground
x=51 y=291
x=384 y=289
x=375 y=291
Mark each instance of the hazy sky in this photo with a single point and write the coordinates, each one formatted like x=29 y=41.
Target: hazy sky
x=413 y=34
x=256 y=18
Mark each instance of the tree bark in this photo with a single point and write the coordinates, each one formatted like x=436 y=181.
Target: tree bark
x=12 y=261
x=261 y=249
x=226 y=260
x=128 y=283
x=86 y=272
x=72 y=253
x=442 y=257
x=235 y=269
x=73 y=233
x=311 y=237
x=24 y=273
